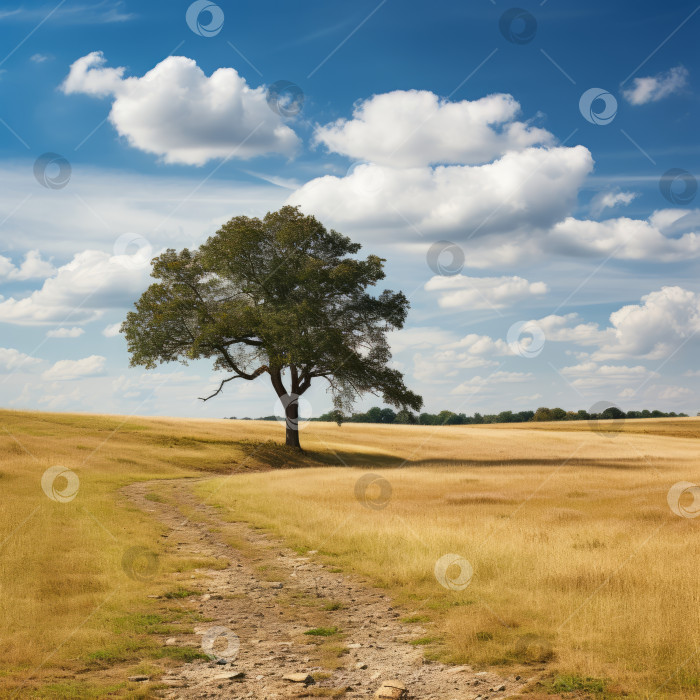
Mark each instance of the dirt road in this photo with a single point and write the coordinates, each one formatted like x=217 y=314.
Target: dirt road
x=264 y=599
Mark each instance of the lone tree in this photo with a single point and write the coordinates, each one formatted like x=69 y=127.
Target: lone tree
x=278 y=296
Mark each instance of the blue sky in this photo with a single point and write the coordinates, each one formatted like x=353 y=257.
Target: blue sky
x=474 y=124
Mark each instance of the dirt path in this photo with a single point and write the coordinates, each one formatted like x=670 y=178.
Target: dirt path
x=268 y=596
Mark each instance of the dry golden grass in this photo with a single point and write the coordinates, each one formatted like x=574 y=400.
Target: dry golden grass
x=66 y=604
x=569 y=534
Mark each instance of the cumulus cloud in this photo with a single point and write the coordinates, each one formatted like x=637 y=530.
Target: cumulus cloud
x=655 y=87
x=656 y=327
x=652 y=330
x=415 y=128
x=11 y=359
x=73 y=332
x=462 y=292
x=623 y=238
x=522 y=190
x=79 y=292
x=177 y=112
x=65 y=370
x=32 y=267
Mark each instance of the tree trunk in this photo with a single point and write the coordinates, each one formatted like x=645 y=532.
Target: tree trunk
x=292 y=421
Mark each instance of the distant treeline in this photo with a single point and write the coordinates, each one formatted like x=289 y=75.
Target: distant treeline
x=387 y=415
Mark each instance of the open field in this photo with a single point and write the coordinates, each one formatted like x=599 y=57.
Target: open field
x=581 y=570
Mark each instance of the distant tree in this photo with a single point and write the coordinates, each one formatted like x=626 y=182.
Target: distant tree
x=387 y=415
x=542 y=414
x=405 y=417
x=426 y=419
x=613 y=412
x=278 y=296
x=374 y=415
x=558 y=414
x=443 y=417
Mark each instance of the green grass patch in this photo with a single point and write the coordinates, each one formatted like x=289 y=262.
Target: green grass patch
x=423 y=641
x=411 y=619
x=322 y=631
x=180 y=593
x=571 y=683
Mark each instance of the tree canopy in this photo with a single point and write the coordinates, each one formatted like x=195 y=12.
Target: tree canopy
x=279 y=296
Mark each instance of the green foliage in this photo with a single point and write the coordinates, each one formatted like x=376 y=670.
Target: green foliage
x=379 y=415
x=280 y=296
x=322 y=631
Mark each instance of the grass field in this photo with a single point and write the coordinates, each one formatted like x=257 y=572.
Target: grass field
x=578 y=560
x=579 y=566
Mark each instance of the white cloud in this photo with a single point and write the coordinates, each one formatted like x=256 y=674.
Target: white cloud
x=416 y=128
x=591 y=375
x=79 y=292
x=656 y=87
x=73 y=332
x=530 y=189
x=655 y=328
x=622 y=238
x=557 y=328
x=609 y=200
x=692 y=373
x=32 y=267
x=460 y=291
x=112 y=330
x=478 y=384
x=652 y=330
x=64 y=370
x=40 y=58
x=11 y=359
x=175 y=111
